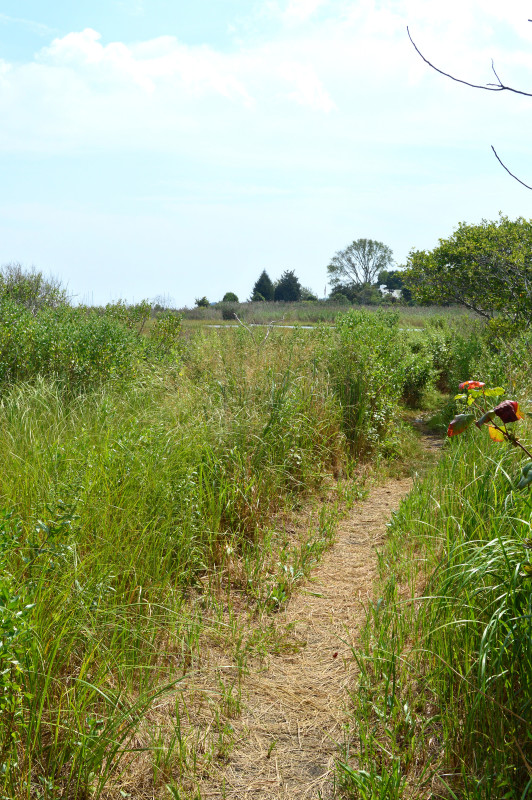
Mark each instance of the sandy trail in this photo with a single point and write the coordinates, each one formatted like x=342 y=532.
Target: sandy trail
x=294 y=710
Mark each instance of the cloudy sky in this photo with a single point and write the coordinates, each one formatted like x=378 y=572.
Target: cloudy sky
x=179 y=147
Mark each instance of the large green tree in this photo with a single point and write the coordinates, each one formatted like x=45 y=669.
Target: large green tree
x=486 y=268
x=263 y=289
x=359 y=264
x=288 y=288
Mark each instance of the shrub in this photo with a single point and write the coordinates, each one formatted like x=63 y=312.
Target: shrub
x=30 y=289
x=365 y=365
x=229 y=311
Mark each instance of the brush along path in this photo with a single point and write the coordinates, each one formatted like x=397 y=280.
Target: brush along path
x=286 y=737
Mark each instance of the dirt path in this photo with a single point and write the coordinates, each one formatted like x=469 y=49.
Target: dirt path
x=294 y=710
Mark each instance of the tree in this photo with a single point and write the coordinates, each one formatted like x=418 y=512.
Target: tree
x=359 y=264
x=486 y=268
x=263 y=287
x=230 y=297
x=308 y=294
x=202 y=302
x=30 y=288
x=288 y=288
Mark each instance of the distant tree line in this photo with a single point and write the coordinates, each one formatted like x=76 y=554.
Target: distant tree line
x=287 y=289
x=359 y=274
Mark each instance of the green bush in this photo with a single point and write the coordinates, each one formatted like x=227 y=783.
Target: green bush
x=418 y=369
x=229 y=311
x=365 y=361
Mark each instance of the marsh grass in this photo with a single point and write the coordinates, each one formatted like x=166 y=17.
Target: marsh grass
x=313 y=313
x=142 y=508
x=444 y=699
x=129 y=504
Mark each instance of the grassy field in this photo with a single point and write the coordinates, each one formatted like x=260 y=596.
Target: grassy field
x=310 y=313
x=146 y=476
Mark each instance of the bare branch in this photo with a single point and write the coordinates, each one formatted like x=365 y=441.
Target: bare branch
x=268 y=331
x=508 y=171
x=243 y=324
x=489 y=87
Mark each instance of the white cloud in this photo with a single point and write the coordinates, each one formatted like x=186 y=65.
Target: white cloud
x=35 y=27
x=354 y=71
x=301 y=10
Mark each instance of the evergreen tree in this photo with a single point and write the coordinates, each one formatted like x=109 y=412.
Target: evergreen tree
x=288 y=289
x=263 y=289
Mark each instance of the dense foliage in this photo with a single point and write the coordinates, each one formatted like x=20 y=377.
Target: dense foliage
x=359 y=264
x=263 y=288
x=485 y=267
x=288 y=288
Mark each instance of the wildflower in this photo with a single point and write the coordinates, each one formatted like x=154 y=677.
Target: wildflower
x=508 y=411
x=472 y=385
x=459 y=424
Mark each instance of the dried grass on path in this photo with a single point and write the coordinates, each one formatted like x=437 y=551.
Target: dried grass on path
x=294 y=708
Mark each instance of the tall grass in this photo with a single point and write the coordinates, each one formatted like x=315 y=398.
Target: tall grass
x=445 y=692
x=141 y=479
x=123 y=501
x=309 y=312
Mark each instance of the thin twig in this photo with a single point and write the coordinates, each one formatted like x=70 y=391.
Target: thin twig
x=503 y=165
x=489 y=87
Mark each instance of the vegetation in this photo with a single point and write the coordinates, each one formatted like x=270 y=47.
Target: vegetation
x=446 y=662
x=141 y=470
x=144 y=473
x=309 y=312
x=486 y=268
x=263 y=289
x=357 y=266
x=287 y=289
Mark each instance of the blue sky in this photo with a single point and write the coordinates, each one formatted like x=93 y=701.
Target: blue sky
x=152 y=148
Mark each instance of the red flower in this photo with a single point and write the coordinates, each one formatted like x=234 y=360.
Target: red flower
x=472 y=385
x=508 y=411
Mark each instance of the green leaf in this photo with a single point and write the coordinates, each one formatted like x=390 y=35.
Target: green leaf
x=526 y=475
x=487 y=417
x=459 y=424
x=496 y=392
x=461 y=397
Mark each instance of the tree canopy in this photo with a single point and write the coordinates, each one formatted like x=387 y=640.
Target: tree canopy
x=288 y=288
x=263 y=289
x=486 y=268
x=359 y=264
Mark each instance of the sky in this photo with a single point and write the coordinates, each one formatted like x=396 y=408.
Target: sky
x=172 y=149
